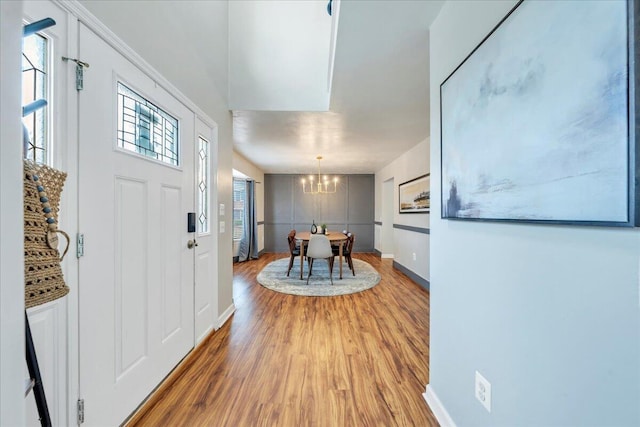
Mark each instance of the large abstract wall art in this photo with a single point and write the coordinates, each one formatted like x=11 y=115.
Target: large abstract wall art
x=537 y=123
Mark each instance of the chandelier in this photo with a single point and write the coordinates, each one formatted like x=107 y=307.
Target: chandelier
x=322 y=186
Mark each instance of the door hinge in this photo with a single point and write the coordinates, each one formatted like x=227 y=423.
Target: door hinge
x=79 y=77
x=80 y=411
x=79 y=245
x=80 y=66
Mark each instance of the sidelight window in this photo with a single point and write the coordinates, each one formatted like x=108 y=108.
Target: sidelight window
x=203 y=185
x=35 y=68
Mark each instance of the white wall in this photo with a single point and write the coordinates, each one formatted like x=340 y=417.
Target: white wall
x=270 y=69
x=200 y=75
x=385 y=244
x=244 y=166
x=12 y=380
x=410 y=165
x=549 y=315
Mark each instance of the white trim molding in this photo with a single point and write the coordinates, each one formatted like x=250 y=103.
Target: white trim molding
x=226 y=315
x=437 y=408
x=12 y=366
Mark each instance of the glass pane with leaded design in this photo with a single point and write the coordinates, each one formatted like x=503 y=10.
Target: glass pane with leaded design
x=34 y=86
x=203 y=185
x=145 y=128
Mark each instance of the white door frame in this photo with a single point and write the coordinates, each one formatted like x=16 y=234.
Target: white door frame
x=54 y=325
x=11 y=220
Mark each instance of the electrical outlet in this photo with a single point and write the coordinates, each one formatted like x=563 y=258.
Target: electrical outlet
x=483 y=391
x=414 y=256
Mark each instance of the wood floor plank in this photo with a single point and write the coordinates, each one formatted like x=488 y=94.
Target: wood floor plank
x=284 y=360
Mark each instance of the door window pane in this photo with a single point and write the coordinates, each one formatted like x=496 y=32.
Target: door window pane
x=145 y=128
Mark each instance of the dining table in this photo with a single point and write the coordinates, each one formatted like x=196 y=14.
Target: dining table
x=336 y=238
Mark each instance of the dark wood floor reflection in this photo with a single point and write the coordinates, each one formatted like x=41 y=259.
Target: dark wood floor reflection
x=283 y=360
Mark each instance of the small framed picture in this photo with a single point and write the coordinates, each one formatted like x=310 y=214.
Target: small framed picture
x=415 y=195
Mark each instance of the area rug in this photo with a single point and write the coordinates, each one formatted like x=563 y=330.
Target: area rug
x=274 y=277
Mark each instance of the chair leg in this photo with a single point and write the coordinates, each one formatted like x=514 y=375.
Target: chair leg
x=309 y=264
x=310 y=267
x=330 y=262
x=290 y=264
x=350 y=261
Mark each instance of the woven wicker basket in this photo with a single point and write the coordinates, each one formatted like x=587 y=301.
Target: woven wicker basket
x=43 y=278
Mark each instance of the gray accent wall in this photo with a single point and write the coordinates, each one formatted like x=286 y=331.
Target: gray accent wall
x=286 y=207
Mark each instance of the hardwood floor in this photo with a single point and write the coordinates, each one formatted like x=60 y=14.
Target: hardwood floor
x=283 y=360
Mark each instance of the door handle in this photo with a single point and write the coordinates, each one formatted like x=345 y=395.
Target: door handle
x=192 y=243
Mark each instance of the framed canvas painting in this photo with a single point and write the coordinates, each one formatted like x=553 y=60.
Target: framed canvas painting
x=538 y=122
x=415 y=195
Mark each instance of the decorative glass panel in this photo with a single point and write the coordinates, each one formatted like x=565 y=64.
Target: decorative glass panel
x=145 y=128
x=203 y=185
x=34 y=86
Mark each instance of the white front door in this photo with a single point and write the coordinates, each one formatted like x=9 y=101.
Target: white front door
x=136 y=278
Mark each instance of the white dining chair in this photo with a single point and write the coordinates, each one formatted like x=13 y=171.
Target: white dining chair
x=319 y=247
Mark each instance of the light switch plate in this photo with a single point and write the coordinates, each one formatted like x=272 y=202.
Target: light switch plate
x=221 y=209
x=222 y=227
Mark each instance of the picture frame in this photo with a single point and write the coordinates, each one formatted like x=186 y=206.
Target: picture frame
x=414 y=196
x=537 y=124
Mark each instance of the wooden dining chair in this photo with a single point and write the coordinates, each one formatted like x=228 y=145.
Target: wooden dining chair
x=346 y=251
x=319 y=247
x=293 y=249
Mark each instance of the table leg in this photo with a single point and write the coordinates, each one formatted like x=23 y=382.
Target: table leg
x=301 y=258
x=340 y=252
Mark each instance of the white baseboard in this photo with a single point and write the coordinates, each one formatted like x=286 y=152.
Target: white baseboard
x=226 y=315
x=387 y=256
x=437 y=408
x=204 y=335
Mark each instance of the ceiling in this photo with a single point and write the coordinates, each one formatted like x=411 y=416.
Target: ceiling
x=280 y=55
x=379 y=104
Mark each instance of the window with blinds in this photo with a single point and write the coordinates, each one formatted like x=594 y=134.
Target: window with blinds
x=239 y=203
